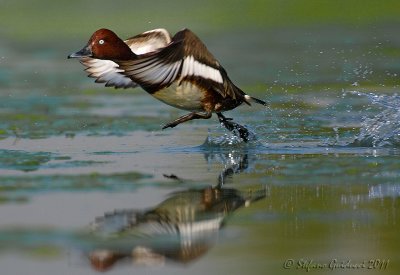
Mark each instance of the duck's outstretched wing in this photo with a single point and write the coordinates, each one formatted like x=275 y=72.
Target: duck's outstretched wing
x=107 y=71
x=186 y=58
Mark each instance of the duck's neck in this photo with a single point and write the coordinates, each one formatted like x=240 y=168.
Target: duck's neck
x=122 y=52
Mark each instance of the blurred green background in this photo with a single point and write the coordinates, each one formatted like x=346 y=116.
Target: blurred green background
x=45 y=19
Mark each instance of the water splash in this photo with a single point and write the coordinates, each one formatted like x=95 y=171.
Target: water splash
x=221 y=137
x=382 y=130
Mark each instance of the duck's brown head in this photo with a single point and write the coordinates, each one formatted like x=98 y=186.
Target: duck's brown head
x=105 y=44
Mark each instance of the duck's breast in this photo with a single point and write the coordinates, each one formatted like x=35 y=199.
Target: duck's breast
x=185 y=95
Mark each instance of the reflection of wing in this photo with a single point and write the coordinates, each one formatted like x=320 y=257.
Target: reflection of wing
x=186 y=58
x=107 y=71
x=114 y=222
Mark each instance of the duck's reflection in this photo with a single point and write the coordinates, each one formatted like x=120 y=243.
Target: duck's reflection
x=181 y=228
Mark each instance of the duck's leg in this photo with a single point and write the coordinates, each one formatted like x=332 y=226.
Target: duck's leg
x=230 y=125
x=187 y=117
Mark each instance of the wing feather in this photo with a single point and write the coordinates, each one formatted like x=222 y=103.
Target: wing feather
x=108 y=72
x=185 y=58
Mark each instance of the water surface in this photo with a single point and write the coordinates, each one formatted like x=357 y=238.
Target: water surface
x=89 y=182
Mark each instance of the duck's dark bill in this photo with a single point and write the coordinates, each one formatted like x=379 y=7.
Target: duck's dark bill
x=85 y=52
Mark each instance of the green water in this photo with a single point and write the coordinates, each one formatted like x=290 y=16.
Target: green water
x=86 y=170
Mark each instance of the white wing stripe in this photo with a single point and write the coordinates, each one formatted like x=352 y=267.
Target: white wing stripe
x=195 y=68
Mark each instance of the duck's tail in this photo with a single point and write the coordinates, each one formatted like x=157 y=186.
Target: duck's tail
x=249 y=99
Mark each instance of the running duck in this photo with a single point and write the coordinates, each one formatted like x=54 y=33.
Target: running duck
x=179 y=71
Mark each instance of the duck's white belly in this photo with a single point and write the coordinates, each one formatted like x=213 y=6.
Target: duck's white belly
x=185 y=96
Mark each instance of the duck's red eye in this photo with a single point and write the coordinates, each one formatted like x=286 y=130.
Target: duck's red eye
x=101 y=41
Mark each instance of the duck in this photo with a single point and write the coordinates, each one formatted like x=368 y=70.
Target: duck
x=179 y=71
